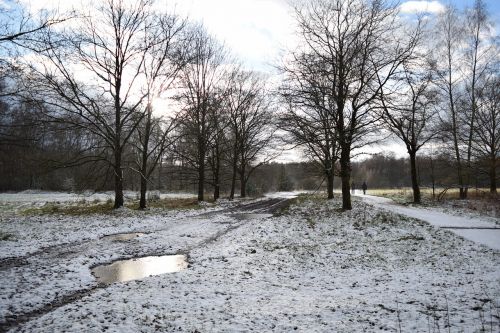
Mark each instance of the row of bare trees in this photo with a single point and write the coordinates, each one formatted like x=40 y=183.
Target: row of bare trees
x=101 y=72
x=447 y=93
x=352 y=50
x=363 y=71
x=466 y=67
x=226 y=117
x=360 y=73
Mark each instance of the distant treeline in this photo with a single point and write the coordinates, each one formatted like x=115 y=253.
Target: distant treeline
x=21 y=170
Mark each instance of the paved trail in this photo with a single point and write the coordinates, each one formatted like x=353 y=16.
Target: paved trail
x=474 y=229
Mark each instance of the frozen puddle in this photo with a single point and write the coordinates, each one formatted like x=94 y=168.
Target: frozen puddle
x=138 y=268
x=123 y=237
x=251 y=216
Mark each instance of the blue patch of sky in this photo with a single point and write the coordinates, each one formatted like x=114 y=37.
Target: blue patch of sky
x=493 y=7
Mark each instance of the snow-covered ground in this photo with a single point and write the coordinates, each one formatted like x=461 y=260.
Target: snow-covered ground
x=36 y=196
x=290 y=194
x=482 y=230
x=312 y=269
x=19 y=201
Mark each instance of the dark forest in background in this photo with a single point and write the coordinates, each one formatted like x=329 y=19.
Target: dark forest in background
x=35 y=160
x=38 y=154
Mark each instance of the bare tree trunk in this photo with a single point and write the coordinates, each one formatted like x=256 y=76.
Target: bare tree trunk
x=144 y=182
x=454 y=121
x=217 y=190
x=118 y=179
x=142 y=200
x=433 y=180
x=233 y=178
x=118 y=149
x=201 y=180
x=243 y=183
x=144 y=162
x=329 y=179
x=414 y=178
x=217 y=173
x=243 y=190
x=493 y=175
x=463 y=195
x=345 y=176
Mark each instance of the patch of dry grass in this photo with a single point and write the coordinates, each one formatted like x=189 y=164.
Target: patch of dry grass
x=5 y=236
x=91 y=208
x=172 y=203
x=72 y=210
x=405 y=194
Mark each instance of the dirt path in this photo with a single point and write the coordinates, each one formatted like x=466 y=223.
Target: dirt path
x=51 y=256
x=267 y=205
x=474 y=229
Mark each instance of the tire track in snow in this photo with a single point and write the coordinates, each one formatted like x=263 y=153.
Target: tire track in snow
x=16 y=320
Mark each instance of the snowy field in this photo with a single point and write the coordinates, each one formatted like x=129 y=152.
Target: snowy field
x=19 y=201
x=470 y=225
x=311 y=269
x=41 y=197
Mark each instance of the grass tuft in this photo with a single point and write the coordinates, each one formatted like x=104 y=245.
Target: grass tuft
x=72 y=210
x=92 y=208
x=5 y=236
x=172 y=203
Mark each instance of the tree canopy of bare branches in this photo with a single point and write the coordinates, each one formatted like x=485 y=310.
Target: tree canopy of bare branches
x=410 y=112
x=21 y=27
x=486 y=139
x=91 y=75
x=465 y=55
x=251 y=127
x=359 y=46
x=309 y=113
x=199 y=98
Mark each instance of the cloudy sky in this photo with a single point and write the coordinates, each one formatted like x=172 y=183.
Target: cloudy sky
x=259 y=31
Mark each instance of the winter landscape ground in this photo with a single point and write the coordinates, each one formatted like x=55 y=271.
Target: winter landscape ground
x=309 y=267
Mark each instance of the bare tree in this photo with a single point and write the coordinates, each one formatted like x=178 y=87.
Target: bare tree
x=250 y=126
x=161 y=66
x=487 y=132
x=92 y=74
x=218 y=145
x=153 y=137
x=410 y=113
x=446 y=64
x=362 y=46
x=199 y=81
x=309 y=115
x=256 y=139
x=462 y=58
x=478 y=58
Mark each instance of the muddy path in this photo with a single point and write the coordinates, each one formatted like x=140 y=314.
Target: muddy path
x=270 y=206
x=51 y=256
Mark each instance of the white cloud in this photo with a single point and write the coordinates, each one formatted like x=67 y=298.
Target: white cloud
x=4 y=5
x=254 y=30
x=413 y=7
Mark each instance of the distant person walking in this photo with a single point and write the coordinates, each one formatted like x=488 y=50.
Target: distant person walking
x=364 y=187
x=353 y=188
